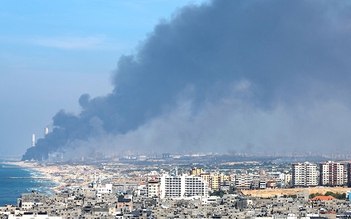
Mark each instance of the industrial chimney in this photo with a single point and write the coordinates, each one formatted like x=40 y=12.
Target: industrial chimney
x=33 y=140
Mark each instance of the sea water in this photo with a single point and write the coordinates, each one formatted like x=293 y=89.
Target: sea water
x=15 y=181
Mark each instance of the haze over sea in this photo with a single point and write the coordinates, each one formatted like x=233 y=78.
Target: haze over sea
x=15 y=181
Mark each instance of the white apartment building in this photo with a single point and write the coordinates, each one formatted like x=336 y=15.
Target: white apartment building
x=304 y=174
x=332 y=173
x=195 y=186
x=182 y=186
x=153 y=188
x=104 y=189
x=287 y=179
x=243 y=181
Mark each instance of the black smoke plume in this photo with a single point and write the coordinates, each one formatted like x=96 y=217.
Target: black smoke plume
x=274 y=75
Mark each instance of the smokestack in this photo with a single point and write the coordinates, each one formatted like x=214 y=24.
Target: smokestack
x=46 y=130
x=33 y=140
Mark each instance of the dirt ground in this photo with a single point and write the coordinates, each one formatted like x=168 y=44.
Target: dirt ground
x=292 y=191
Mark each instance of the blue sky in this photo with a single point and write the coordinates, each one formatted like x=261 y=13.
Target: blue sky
x=52 y=52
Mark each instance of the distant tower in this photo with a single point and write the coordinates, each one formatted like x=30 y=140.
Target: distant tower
x=33 y=140
x=46 y=130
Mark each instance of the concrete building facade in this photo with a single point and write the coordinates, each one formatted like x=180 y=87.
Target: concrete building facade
x=304 y=174
x=332 y=173
x=182 y=186
x=153 y=188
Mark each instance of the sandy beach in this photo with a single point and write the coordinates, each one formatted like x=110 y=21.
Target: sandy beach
x=64 y=176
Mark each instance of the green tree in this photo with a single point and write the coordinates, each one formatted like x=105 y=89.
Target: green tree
x=336 y=195
x=314 y=195
x=219 y=193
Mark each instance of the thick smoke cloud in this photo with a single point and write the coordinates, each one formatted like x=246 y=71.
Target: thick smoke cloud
x=245 y=76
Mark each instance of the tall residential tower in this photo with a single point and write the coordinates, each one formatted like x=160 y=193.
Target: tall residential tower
x=332 y=173
x=304 y=174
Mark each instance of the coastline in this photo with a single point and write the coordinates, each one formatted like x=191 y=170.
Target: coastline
x=64 y=176
x=49 y=172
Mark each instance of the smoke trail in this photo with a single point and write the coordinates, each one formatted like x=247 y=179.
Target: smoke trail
x=228 y=75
